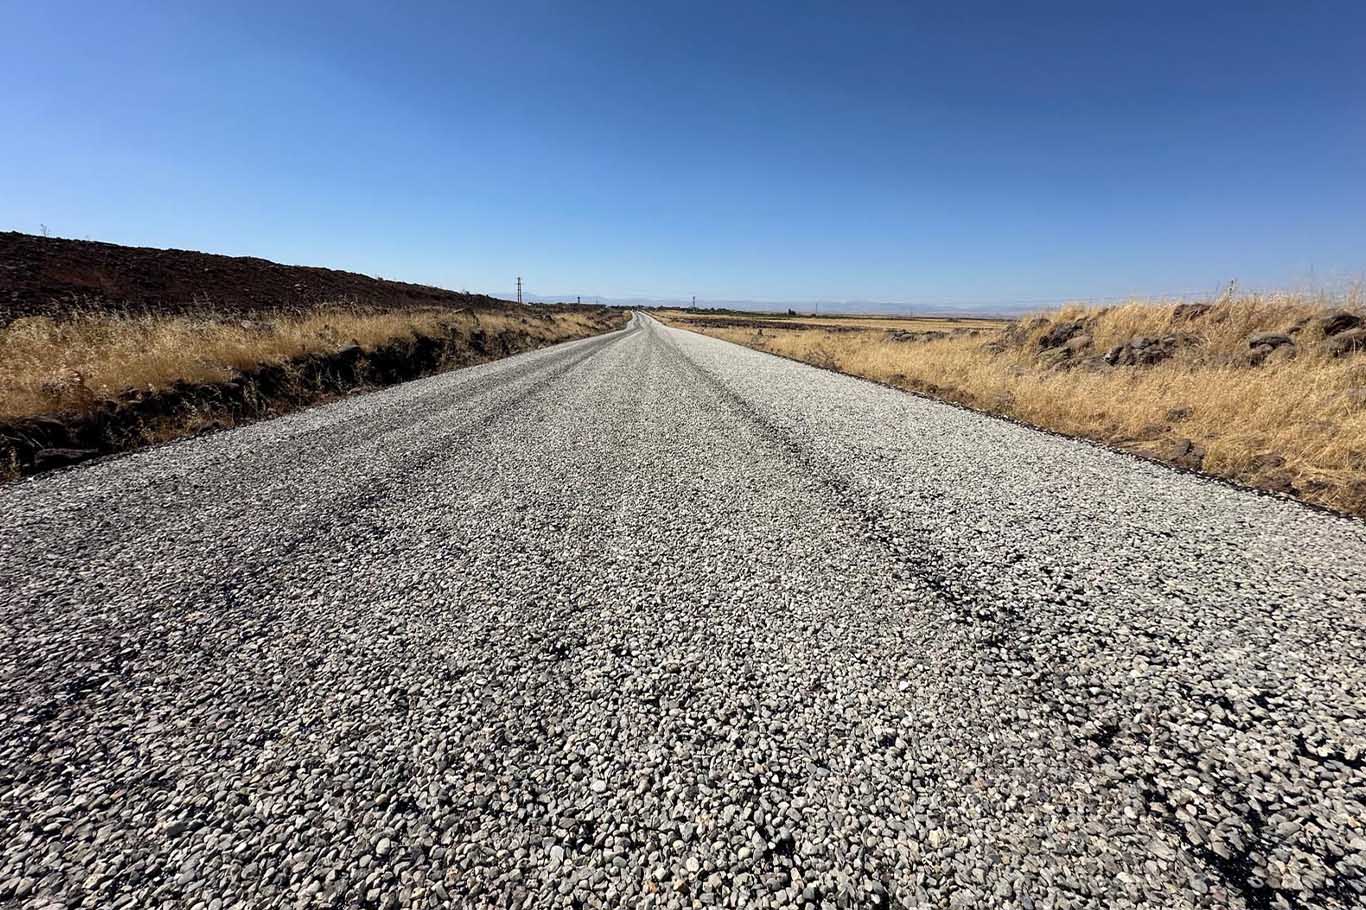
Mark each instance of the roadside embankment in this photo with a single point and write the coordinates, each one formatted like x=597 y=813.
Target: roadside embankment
x=1263 y=390
x=78 y=389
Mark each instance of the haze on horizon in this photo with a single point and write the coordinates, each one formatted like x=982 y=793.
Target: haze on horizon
x=983 y=157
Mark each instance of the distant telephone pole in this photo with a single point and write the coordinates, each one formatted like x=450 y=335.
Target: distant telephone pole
x=519 y=288
x=694 y=301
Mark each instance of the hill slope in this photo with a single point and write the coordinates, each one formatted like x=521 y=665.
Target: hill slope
x=49 y=276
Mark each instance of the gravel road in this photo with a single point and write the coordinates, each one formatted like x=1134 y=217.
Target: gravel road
x=654 y=620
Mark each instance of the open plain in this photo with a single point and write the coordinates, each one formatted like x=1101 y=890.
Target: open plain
x=651 y=619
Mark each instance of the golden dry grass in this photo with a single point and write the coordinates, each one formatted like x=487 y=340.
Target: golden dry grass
x=49 y=366
x=1296 y=424
x=886 y=323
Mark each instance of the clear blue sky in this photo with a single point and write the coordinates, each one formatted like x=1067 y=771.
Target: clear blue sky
x=912 y=152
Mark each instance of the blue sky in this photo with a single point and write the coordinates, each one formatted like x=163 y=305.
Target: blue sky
x=918 y=153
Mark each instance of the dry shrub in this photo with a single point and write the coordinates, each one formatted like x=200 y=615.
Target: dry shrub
x=1296 y=424
x=48 y=366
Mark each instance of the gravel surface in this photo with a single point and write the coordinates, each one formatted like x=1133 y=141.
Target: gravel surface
x=654 y=620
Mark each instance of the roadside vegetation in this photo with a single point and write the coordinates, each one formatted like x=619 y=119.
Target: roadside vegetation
x=792 y=319
x=49 y=365
x=98 y=380
x=1265 y=390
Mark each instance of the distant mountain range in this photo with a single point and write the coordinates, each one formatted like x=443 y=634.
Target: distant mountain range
x=803 y=306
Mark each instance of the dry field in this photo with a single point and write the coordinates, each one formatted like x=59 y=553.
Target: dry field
x=884 y=323
x=1269 y=391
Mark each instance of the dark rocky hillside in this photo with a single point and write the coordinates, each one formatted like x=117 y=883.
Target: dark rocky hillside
x=48 y=276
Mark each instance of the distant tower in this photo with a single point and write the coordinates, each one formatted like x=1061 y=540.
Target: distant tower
x=519 y=288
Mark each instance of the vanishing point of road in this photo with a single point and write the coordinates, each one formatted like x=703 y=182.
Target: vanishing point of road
x=652 y=620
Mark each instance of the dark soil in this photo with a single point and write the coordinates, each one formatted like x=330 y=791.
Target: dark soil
x=48 y=276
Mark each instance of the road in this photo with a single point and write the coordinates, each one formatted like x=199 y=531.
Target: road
x=654 y=620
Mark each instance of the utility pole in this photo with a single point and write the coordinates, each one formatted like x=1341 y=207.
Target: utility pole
x=519 y=288
x=694 y=301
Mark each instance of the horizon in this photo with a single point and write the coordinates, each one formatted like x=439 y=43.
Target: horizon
x=902 y=159
x=847 y=307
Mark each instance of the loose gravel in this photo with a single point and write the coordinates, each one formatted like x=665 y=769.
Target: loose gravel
x=654 y=620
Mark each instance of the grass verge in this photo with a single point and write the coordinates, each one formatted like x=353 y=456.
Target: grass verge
x=100 y=382
x=1264 y=390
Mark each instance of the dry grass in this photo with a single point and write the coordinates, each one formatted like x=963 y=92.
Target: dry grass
x=886 y=323
x=48 y=366
x=1296 y=424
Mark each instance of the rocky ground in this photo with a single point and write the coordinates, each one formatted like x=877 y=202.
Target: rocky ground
x=654 y=620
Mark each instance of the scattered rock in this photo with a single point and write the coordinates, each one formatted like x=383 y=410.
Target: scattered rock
x=1145 y=351
x=1061 y=333
x=1269 y=470
x=1262 y=345
x=1095 y=363
x=1188 y=311
x=1054 y=357
x=1178 y=414
x=1077 y=343
x=1277 y=481
x=1183 y=453
x=1268 y=340
x=1337 y=322
x=905 y=337
x=1347 y=342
